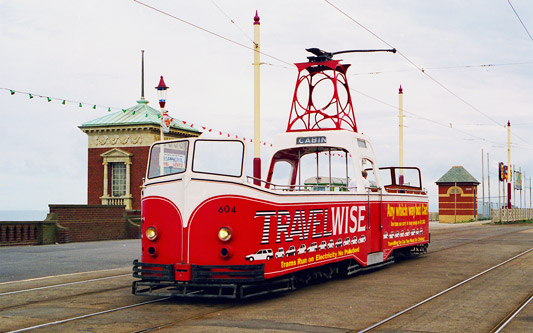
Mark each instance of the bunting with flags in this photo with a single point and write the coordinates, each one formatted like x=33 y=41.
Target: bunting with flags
x=166 y=120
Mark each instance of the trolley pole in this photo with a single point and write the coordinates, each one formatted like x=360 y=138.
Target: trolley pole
x=520 y=188
x=488 y=184
x=257 y=99
x=455 y=202
x=509 y=205
x=400 y=139
x=482 y=183
x=499 y=199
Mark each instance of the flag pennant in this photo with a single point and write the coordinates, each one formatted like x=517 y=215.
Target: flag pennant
x=165 y=122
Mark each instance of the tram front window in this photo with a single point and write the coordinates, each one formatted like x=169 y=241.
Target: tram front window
x=168 y=158
x=311 y=169
x=218 y=157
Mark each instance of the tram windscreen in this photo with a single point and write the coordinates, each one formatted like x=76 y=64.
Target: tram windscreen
x=168 y=158
x=222 y=157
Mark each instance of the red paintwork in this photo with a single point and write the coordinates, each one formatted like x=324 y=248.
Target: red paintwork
x=202 y=247
x=162 y=214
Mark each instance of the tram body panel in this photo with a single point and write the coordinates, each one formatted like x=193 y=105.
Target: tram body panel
x=260 y=220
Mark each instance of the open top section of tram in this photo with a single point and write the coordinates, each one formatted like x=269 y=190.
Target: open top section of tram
x=300 y=162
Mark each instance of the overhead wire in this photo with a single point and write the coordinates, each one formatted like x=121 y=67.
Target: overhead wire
x=368 y=30
x=209 y=31
x=446 y=125
x=519 y=19
x=244 y=33
x=232 y=21
x=420 y=68
x=413 y=64
x=446 y=67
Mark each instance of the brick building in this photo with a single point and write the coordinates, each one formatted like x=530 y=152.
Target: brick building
x=118 y=153
x=457 y=196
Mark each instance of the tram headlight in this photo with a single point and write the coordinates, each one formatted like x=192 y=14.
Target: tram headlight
x=224 y=234
x=151 y=233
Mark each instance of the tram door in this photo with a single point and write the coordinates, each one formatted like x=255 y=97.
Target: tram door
x=374 y=207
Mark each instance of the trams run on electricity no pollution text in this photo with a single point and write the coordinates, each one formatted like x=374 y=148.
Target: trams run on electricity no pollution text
x=209 y=230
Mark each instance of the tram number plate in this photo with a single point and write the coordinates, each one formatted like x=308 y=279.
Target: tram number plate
x=226 y=209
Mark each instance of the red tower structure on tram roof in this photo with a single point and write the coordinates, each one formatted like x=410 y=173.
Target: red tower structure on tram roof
x=322 y=99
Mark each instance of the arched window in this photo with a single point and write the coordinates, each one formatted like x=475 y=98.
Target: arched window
x=455 y=190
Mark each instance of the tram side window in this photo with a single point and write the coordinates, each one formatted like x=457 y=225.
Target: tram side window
x=168 y=158
x=282 y=173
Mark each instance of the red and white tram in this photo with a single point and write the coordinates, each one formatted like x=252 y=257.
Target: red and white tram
x=210 y=230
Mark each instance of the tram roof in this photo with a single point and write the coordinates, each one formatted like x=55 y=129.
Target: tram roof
x=327 y=138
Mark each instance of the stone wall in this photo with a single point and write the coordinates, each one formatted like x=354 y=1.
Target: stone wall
x=82 y=223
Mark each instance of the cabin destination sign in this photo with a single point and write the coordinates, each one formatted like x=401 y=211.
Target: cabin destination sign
x=310 y=140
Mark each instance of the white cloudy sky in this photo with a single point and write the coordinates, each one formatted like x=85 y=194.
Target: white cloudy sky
x=89 y=51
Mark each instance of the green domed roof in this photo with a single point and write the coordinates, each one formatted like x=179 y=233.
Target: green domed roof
x=140 y=114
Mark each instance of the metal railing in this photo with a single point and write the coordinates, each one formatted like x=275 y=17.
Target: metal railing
x=334 y=188
x=511 y=215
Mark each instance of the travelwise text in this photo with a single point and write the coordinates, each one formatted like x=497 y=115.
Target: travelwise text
x=305 y=224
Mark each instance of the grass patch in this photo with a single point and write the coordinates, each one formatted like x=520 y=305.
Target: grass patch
x=515 y=222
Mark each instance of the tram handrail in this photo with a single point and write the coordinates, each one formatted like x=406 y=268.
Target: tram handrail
x=273 y=186
x=342 y=188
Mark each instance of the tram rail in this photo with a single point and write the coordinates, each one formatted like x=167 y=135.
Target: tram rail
x=398 y=314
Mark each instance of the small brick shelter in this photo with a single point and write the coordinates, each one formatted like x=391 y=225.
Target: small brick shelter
x=457 y=196
x=118 y=150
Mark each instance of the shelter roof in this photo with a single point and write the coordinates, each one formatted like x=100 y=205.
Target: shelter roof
x=140 y=114
x=457 y=174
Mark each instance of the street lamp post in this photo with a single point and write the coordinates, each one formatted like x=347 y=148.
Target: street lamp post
x=162 y=94
x=400 y=117
x=257 y=98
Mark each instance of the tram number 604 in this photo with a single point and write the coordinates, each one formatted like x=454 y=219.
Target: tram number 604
x=226 y=209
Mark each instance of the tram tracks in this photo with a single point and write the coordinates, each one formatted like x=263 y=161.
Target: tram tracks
x=194 y=312
x=55 y=298
x=450 y=289
x=205 y=314
x=20 y=297
x=464 y=239
x=507 y=320
x=57 y=322
x=61 y=285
